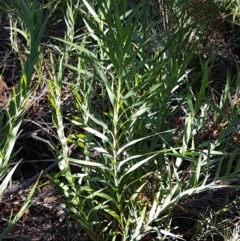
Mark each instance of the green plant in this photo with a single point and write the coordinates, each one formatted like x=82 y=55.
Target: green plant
x=140 y=110
x=17 y=105
x=131 y=187
x=13 y=114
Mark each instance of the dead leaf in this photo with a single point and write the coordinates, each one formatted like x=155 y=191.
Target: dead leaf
x=3 y=87
x=50 y=199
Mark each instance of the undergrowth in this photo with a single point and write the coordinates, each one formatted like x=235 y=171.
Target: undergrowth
x=155 y=131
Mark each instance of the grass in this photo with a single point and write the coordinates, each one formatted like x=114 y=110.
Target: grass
x=151 y=130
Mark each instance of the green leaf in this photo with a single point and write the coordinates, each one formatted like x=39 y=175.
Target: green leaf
x=88 y=163
x=7 y=179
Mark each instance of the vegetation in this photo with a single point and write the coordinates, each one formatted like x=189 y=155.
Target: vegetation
x=137 y=103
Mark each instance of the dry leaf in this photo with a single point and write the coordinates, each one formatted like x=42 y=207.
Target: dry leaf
x=3 y=87
x=50 y=199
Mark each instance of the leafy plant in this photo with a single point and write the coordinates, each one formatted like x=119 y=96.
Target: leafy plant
x=131 y=187
x=13 y=114
x=144 y=132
